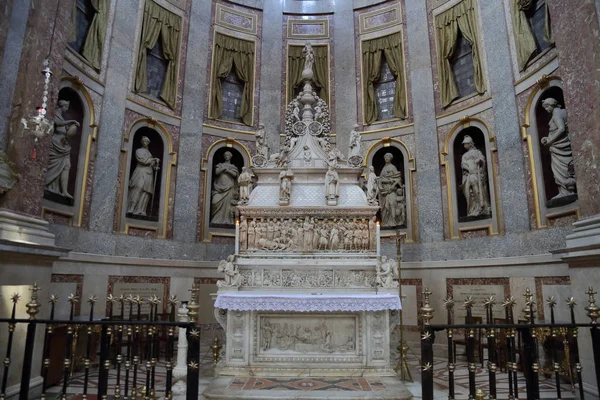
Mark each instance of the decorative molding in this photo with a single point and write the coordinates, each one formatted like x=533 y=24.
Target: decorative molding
x=379 y=19
x=303 y=28
x=237 y=20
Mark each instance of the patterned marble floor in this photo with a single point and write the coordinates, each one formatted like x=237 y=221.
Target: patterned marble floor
x=324 y=384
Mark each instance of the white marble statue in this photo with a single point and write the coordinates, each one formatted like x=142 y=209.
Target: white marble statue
x=309 y=58
x=261 y=145
x=372 y=190
x=474 y=180
x=142 y=181
x=559 y=144
x=387 y=270
x=354 y=157
x=285 y=186
x=388 y=182
x=243 y=233
x=59 y=162
x=332 y=188
x=307 y=154
x=232 y=274
x=245 y=183
x=224 y=191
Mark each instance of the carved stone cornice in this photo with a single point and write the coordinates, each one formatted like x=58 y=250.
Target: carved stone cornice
x=319 y=212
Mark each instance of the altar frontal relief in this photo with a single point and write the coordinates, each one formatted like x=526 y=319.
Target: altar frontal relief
x=307 y=334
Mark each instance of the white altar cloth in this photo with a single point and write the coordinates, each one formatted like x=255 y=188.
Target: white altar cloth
x=307 y=302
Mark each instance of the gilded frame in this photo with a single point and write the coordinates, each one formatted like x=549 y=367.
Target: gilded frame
x=410 y=166
x=320 y=21
x=492 y=224
x=207 y=232
x=169 y=161
x=362 y=19
x=89 y=134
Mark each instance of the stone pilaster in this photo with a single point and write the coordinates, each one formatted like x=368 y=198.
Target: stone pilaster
x=45 y=37
x=194 y=95
x=13 y=25
x=576 y=33
x=120 y=64
x=429 y=196
x=513 y=191
x=270 y=71
x=345 y=73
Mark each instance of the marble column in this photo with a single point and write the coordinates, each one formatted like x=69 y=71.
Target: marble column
x=45 y=37
x=120 y=64
x=270 y=71
x=576 y=33
x=345 y=73
x=428 y=160
x=193 y=103
x=512 y=184
x=12 y=33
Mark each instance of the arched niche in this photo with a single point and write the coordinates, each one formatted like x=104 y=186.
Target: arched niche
x=81 y=109
x=405 y=164
x=540 y=164
x=219 y=201
x=146 y=188
x=471 y=179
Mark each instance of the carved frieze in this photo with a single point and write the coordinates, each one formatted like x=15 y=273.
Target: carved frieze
x=293 y=278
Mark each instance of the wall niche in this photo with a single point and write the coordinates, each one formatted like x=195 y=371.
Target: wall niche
x=547 y=136
x=146 y=180
x=69 y=154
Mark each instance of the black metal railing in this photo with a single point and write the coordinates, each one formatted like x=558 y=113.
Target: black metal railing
x=511 y=344
x=128 y=348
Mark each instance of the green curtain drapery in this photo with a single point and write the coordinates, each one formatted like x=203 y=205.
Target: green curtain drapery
x=231 y=53
x=159 y=22
x=524 y=39
x=94 y=41
x=372 y=51
x=320 y=70
x=461 y=16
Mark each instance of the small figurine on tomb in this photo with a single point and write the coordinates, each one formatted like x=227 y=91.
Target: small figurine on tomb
x=372 y=192
x=559 y=144
x=232 y=274
x=354 y=157
x=474 y=180
x=285 y=187
x=332 y=186
x=309 y=60
x=243 y=233
x=245 y=184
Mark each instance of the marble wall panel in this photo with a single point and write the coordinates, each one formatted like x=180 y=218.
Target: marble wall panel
x=560 y=288
x=479 y=289
x=75 y=285
x=139 y=285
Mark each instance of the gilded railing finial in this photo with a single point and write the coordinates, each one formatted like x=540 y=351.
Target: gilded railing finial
x=427 y=311
x=593 y=312
x=33 y=306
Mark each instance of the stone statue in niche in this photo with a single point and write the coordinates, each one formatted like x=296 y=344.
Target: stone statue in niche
x=262 y=150
x=8 y=173
x=224 y=192
x=307 y=154
x=559 y=145
x=387 y=271
x=232 y=274
x=59 y=162
x=372 y=190
x=332 y=187
x=245 y=184
x=285 y=187
x=354 y=157
x=389 y=185
x=142 y=183
x=475 y=180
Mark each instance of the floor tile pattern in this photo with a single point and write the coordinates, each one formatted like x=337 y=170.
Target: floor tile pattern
x=312 y=384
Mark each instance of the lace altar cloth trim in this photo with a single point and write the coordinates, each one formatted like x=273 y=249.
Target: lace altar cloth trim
x=307 y=302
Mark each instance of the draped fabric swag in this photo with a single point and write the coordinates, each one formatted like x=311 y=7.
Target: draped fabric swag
x=524 y=39
x=159 y=22
x=320 y=70
x=94 y=41
x=231 y=53
x=372 y=52
x=461 y=16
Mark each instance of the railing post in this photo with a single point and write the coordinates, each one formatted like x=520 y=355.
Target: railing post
x=427 y=340
x=593 y=312
x=32 y=309
x=449 y=304
x=104 y=362
x=531 y=367
x=193 y=355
